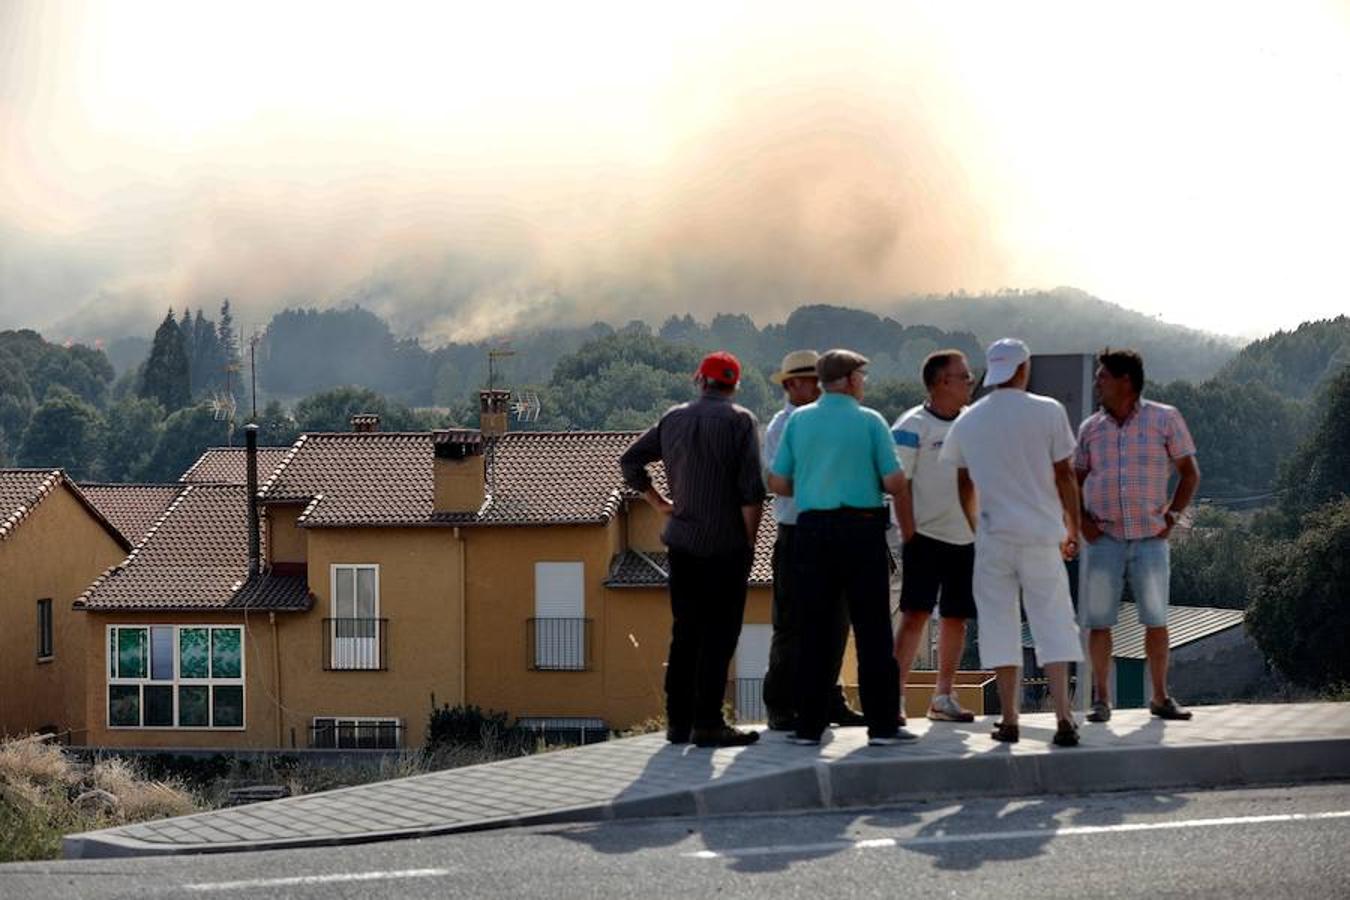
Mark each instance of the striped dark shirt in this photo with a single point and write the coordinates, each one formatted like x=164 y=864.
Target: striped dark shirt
x=710 y=448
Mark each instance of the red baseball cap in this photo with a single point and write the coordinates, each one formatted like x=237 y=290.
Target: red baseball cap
x=721 y=367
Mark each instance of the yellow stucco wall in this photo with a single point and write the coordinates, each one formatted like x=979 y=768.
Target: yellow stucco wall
x=259 y=682
x=54 y=553
x=286 y=542
x=419 y=580
x=644 y=527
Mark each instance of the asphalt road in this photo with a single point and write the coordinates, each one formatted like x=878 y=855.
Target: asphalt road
x=1271 y=842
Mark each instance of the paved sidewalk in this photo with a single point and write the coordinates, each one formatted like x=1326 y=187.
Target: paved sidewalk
x=645 y=777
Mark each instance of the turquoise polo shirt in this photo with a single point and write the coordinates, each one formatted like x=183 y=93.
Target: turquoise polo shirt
x=836 y=451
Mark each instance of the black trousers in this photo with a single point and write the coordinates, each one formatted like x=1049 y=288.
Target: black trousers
x=781 y=681
x=842 y=564
x=707 y=603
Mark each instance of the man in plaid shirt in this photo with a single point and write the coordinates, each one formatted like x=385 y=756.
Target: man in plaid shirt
x=1126 y=454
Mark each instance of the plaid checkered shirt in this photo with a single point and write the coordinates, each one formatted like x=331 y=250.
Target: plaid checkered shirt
x=1128 y=466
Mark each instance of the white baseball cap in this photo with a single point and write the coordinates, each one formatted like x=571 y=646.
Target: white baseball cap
x=1002 y=359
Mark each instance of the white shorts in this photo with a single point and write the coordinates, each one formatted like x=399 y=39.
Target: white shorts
x=1002 y=569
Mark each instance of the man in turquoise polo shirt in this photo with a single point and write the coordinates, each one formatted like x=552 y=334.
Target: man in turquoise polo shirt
x=837 y=460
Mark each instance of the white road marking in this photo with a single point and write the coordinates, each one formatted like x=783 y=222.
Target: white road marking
x=1037 y=833
x=335 y=878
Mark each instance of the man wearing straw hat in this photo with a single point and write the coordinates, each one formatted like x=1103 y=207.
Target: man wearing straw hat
x=801 y=386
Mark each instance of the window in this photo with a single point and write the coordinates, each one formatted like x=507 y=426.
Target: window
x=175 y=676
x=559 y=627
x=356 y=610
x=356 y=733
x=44 y=629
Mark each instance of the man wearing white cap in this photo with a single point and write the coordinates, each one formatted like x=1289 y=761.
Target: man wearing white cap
x=1016 y=448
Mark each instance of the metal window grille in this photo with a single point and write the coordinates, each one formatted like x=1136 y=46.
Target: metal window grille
x=356 y=734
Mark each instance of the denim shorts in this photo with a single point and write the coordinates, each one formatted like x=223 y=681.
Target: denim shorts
x=1147 y=564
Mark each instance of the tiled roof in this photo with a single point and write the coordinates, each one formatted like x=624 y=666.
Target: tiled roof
x=635 y=569
x=21 y=490
x=132 y=508
x=195 y=557
x=385 y=478
x=1185 y=625
x=227 y=465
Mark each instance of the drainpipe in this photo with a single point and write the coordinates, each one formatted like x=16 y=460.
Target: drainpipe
x=251 y=458
x=276 y=671
x=463 y=622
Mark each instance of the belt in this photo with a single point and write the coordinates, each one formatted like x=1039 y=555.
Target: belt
x=849 y=512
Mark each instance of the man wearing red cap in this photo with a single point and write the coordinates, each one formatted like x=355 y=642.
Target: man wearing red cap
x=710 y=450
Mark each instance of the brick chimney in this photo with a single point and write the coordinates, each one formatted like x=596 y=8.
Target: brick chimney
x=494 y=409
x=458 y=472
x=364 y=423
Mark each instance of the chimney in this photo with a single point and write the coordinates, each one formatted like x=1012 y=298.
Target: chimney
x=365 y=423
x=494 y=407
x=251 y=479
x=459 y=473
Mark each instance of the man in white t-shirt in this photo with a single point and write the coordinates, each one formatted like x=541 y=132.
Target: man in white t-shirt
x=1016 y=449
x=939 y=551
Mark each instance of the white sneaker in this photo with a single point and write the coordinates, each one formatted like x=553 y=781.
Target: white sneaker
x=944 y=708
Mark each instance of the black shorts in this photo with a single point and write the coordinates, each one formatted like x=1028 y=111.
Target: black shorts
x=932 y=567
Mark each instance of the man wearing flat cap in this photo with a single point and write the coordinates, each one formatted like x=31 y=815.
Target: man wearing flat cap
x=797 y=376
x=837 y=461
x=710 y=450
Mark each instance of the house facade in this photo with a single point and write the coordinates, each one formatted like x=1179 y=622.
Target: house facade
x=53 y=543
x=394 y=572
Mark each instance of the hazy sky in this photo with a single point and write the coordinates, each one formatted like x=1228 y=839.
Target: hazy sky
x=464 y=169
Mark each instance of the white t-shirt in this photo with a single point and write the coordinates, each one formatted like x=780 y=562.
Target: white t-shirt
x=1009 y=441
x=919 y=434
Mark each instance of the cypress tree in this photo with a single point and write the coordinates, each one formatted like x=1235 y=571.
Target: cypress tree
x=166 y=377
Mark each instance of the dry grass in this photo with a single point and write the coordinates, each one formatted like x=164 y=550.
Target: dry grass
x=40 y=787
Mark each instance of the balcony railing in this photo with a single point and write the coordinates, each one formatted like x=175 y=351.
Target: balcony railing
x=356 y=734
x=558 y=645
x=747 y=699
x=356 y=645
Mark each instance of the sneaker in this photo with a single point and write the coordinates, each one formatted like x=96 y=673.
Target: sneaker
x=1101 y=712
x=1008 y=734
x=803 y=740
x=725 y=736
x=1168 y=709
x=847 y=717
x=1066 y=735
x=901 y=736
x=944 y=708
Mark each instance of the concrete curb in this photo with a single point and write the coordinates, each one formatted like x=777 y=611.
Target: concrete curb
x=871 y=781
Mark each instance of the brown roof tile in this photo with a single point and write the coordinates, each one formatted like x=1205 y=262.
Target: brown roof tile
x=195 y=557
x=638 y=569
x=385 y=478
x=132 y=508
x=226 y=465
x=21 y=490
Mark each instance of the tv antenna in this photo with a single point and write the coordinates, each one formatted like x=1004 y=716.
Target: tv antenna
x=526 y=407
x=494 y=354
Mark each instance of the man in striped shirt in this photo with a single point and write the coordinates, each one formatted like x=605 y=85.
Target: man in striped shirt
x=1127 y=452
x=710 y=449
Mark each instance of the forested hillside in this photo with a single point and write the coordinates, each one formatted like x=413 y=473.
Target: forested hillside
x=1294 y=363
x=1066 y=320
